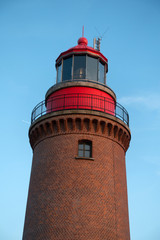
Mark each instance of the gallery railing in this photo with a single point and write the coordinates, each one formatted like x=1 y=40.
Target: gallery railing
x=80 y=101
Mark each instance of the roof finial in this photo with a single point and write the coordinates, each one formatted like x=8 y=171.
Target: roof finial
x=83 y=31
x=82 y=40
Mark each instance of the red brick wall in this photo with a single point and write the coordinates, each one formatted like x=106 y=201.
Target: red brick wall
x=73 y=199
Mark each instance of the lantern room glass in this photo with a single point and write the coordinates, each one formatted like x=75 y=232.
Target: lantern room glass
x=59 y=72
x=92 y=68
x=67 y=67
x=83 y=67
x=79 y=70
x=101 y=72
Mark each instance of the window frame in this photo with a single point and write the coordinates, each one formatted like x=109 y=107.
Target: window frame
x=85 y=147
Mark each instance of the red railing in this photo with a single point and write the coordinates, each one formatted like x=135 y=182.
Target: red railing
x=80 y=101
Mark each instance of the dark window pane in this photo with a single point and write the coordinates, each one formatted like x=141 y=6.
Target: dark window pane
x=59 y=73
x=80 y=153
x=87 y=147
x=79 y=71
x=81 y=146
x=67 y=67
x=92 y=68
x=87 y=154
x=101 y=72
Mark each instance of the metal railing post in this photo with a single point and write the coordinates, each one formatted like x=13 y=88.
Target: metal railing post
x=115 y=109
x=64 y=102
x=91 y=101
x=77 y=100
x=123 y=114
x=41 y=108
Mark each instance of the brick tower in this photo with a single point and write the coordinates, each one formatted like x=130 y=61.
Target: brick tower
x=79 y=135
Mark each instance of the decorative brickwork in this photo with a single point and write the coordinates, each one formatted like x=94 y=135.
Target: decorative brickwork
x=80 y=123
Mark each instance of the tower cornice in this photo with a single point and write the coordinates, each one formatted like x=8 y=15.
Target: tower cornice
x=80 y=122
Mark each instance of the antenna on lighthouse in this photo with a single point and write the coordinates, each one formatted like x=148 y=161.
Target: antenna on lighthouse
x=83 y=31
x=97 y=41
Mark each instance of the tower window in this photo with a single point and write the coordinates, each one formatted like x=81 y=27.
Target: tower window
x=85 y=148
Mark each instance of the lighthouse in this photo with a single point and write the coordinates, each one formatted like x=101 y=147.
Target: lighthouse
x=79 y=135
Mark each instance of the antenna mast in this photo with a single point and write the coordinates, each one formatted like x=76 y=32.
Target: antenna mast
x=83 y=31
x=97 y=43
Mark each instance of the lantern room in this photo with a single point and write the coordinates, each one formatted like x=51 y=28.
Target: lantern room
x=81 y=81
x=81 y=85
x=82 y=63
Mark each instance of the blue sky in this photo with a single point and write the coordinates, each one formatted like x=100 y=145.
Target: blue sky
x=32 y=35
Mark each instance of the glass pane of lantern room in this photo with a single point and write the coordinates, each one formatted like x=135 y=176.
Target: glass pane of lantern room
x=92 y=68
x=79 y=71
x=101 y=72
x=59 y=73
x=67 y=66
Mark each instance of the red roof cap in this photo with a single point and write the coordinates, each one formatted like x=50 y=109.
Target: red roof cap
x=82 y=41
x=82 y=48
